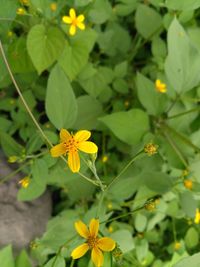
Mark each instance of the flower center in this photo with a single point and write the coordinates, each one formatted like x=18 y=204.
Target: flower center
x=92 y=242
x=71 y=145
x=74 y=22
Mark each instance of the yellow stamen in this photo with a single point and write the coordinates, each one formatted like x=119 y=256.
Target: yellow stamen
x=150 y=149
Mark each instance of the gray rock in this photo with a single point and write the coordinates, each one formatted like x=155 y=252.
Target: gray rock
x=20 y=222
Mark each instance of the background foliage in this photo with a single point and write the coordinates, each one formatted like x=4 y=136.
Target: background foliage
x=102 y=79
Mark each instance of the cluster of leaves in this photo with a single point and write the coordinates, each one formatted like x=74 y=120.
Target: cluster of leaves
x=102 y=79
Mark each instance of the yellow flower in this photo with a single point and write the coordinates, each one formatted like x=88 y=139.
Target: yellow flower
x=160 y=87
x=70 y=144
x=24 y=182
x=197 y=217
x=53 y=6
x=188 y=184
x=25 y=2
x=74 y=21
x=104 y=159
x=150 y=149
x=177 y=245
x=93 y=242
x=10 y=34
x=12 y=159
x=21 y=11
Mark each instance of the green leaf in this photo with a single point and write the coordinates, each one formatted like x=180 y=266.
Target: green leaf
x=23 y=260
x=153 y=101
x=6 y=257
x=56 y=261
x=100 y=12
x=183 y=4
x=140 y=222
x=10 y=146
x=183 y=61
x=76 y=53
x=44 y=44
x=128 y=126
x=193 y=261
x=39 y=171
x=124 y=239
x=125 y=7
x=151 y=24
x=61 y=105
x=188 y=203
x=191 y=238
x=7 y=11
x=89 y=109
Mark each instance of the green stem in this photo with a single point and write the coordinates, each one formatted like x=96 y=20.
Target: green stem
x=7 y=177
x=21 y=96
x=137 y=156
x=72 y=263
x=123 y=215
x=183 y=113
x=88 y=179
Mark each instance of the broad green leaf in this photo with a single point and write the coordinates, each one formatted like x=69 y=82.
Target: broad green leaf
x=125 y=7
x=128 y=126
x=192 y=261
x=76 y=52
x=124 y=239
x=153 y=101
x=120 y=69
x=158 y=47
x=142 y=249
x=140 y=222
x=183 y=60
x=183 y=4
x=82 y=2
x=191 y=238
x=4 y=124
x=39 y=171
x=56 y=261
x=157 y=181
x=188 y=203
x=10 y=146
x=61 y=105
x=6 y=257
x=151 y=24
x=23 y=260
x=89 y=109
x=100 y=11
x=18 y=57
x=44 y=44
x=8 y=12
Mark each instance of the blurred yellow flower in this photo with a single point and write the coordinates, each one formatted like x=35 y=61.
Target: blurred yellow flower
x=150 y=149
x=160 y=87
x=10 y=34
x=12 y=159
x=53 y=6
x=104 y=159
x=197 y=217
x=188 y=184
x=74 y=21
x=177 y=245
x=93 y=242
x=25 y=2
x=70 y=144
x=24 y=182
x=21 y=11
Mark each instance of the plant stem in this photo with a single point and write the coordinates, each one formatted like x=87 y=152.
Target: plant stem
x=72 y=263
x=21 y=96
x=183 y=113
x=88 y=179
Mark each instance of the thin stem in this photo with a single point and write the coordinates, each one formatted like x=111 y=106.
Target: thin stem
x=173 y=103
x=72 y=263
x=123 y=215
x=138 y=155
x=183 y=113
x=11 y=174
x=88 y=179
x=21 y=96
x=13 y=20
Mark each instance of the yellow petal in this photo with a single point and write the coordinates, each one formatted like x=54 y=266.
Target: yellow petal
x=64 y=135
x=58 y=150
x=82 y=135
x=74 y=161
x=72 y=30
x=80 y=18
x=88 y=147
x=97 y=257
x=72 y=13
x=66 y=19
x=79 y=251
x=106 y=244
x=81 y=25
x=94 y=227
x=82 y=229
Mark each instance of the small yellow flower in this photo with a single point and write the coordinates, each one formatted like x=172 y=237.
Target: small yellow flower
x=12 y=159
x=177 y=245
x=160 y=87
x=10 y=34
x=24 y=182
x=25 y=2
x=126 y=103
x=110 y=229
x=74 y=21
x=109 y=206
x=197 y=217
x=93 y=242
x=150 y=205
x=53 y=6
x=150 y=149
x=21 y=11
x=70 y=144
x=104 y=159
x=33 y=245
x=188 y=184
